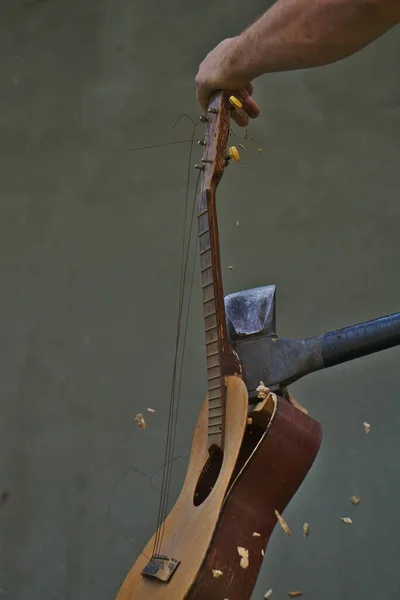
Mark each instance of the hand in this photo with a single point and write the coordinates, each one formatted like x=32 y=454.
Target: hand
x=217 y=72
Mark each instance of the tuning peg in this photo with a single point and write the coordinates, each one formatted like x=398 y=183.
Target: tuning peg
x=234 y=154
x=235 y=102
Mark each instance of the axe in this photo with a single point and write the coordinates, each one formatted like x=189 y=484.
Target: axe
x=277 y=362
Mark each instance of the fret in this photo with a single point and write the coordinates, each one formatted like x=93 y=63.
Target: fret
x=214 y=371
x=207 y=285
x=210 y=322
x=214 y=346
x=208 y=276
x=213 y=360
x=212 y=335
x=214 y=394
x=206 y=260
x=204 y=232
x=205 y=241
x=209 y=307
x=203 y=223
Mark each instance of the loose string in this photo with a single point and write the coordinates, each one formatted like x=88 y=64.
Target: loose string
x=175 y=388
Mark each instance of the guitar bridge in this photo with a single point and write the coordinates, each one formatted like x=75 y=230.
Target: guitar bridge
x=161 y=567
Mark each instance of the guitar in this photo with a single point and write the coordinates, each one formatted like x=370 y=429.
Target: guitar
x=246 y=461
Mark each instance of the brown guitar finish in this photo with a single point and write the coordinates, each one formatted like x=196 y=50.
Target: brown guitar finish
x=267 y=483
x=188 y=528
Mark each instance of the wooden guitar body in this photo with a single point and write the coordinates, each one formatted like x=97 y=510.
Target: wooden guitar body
x=263 y=465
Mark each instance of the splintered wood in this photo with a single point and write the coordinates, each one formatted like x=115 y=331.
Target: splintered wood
x=346 y=520
x=216 y=573
x=283 y=523
x=268 y=595
x=306 y=529
x=140 y=421
x=244 y=557
x=151 y=410
x=255 y=534
x=262 y=391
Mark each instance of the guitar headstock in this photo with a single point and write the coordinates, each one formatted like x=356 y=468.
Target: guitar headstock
x=215 y=141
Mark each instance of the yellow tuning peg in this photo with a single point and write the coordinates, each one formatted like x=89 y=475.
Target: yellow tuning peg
x=235 y=102
x=234 y=153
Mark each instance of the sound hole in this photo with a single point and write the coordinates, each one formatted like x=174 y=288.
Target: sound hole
x=209 y=475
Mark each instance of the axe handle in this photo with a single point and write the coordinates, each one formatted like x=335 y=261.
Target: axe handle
x=360 y=340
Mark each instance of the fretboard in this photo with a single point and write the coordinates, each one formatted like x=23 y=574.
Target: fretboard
x=215 y=328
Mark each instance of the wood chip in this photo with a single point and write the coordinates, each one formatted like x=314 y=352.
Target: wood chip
x=295 y=594
x=262 y=391
x=355 y=500
x=241 y=146
x=367 y=427
x=255 y=534
x=283 y=523
x=151 y=410
x=230 y=267
x=260 y=150
x=216 y=573
x=268 y=595
x=346 y=520
x=244 y=554
x=262 y=553
x=306 y=529
x=249 y=420
x=237 y=223
x=140 y=421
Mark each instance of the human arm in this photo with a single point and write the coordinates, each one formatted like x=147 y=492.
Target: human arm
x=293 y=34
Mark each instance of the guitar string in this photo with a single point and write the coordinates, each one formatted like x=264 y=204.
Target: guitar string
x=172 y=416
x=119 y=481
x=183 y=272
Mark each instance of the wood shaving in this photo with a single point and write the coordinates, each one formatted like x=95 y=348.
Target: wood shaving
x=237 y=223
x=230 y=267
x=151 y=410
x=306 y=529
x=367 y=427
x=355 y=500
x=241 y=146
x=268 y=595
x=255 y=534
x=262 y=391
x=346 y=520
x=260 y=150
x=283 y=523
x=249 y=420
x=262 y=553
x=244 y=554
x=295 y=594
x=140 y=421
x=216 y=573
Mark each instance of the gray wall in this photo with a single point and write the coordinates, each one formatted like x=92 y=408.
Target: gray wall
x=90 y=240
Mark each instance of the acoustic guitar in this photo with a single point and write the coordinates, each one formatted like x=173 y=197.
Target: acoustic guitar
x=246 y=461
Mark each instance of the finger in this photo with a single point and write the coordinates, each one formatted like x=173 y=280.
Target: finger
x=240 y=117
x=203 y=96
x=249 y=105
x=249 y=88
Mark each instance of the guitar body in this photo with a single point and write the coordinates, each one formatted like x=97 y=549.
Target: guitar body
x=261 y=470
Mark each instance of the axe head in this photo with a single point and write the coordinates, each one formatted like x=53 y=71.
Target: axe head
x=251 y=312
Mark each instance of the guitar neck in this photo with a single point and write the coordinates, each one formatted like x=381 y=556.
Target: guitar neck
x=214 y=314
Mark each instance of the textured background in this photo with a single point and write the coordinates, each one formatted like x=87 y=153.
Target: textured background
x=90 y=241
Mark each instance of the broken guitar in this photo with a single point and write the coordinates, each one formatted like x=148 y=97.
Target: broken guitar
x=206 y=548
